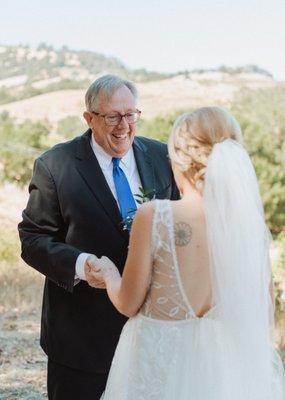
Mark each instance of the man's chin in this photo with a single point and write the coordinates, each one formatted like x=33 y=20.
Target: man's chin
x=120 y=151
x=119 y=154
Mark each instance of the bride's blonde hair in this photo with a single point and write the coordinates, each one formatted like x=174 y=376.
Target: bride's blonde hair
x=193 y=137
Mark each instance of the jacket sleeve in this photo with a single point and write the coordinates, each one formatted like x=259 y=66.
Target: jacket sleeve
x=42 y=231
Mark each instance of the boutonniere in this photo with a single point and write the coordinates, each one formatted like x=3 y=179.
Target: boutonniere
x=144 y=196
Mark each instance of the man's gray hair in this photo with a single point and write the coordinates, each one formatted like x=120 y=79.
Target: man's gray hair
x=109 y=84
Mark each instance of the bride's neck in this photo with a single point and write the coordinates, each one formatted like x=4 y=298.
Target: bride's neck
x=189 y=193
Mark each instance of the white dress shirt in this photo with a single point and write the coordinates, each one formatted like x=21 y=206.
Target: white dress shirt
x=129 y=166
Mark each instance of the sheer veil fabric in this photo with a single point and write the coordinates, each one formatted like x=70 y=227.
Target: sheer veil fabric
x=241 y=274
x=166 y=351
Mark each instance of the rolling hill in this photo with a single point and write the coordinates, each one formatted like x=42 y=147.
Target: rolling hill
x=48 y=84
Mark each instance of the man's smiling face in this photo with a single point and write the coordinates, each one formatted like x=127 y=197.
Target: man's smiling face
x=116 y=140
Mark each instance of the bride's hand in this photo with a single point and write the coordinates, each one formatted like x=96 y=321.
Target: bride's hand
x=105 y=270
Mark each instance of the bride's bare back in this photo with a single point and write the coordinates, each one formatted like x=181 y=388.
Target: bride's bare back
x=180 y=283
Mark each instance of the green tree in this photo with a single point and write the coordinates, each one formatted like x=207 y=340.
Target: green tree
x=70 y=127
x=159 y=128
x=261 y=116
x=19 y=146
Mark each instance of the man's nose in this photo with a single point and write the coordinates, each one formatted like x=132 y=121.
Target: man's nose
x=123 y=123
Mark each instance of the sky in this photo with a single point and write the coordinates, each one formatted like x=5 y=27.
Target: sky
x=165 y=35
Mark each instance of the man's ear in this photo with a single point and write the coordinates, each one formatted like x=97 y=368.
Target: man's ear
x=88 y=117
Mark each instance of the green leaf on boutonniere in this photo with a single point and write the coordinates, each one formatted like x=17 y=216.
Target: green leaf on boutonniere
x=143 y=197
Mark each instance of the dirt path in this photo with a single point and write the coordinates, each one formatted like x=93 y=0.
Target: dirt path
x=22 y=362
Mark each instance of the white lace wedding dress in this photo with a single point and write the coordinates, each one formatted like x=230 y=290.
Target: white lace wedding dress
x=166 y=352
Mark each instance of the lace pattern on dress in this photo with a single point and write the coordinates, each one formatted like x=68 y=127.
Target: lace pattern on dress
x=165 y=298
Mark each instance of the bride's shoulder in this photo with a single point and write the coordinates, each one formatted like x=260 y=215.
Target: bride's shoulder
x=144 y=216
x=148 y=210
x=145 y=211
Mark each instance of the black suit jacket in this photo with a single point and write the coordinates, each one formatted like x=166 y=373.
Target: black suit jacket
x=72 y=210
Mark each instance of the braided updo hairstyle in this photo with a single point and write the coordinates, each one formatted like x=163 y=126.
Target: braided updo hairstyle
x=193 y=137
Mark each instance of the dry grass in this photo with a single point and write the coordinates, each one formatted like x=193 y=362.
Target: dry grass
x=157 y=98
x=20 y=287
x=22 y=362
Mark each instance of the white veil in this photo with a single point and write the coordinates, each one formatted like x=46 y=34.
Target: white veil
x=241 y=273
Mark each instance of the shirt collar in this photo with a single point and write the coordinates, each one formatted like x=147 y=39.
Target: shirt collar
x=105 y=160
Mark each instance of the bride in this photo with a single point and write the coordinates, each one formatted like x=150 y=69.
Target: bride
x=197 y=281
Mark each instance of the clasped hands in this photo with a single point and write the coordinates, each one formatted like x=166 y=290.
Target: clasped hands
x=98 y=270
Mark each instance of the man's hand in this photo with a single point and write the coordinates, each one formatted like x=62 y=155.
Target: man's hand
x=91 y=268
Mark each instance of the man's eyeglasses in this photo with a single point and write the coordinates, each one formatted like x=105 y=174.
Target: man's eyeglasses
x=114 y=119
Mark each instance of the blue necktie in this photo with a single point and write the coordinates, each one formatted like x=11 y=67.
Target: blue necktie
x=126 y=199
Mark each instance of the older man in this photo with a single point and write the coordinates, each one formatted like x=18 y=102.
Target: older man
x=79 y=194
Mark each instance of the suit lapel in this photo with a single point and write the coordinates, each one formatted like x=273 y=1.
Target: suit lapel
x=89 y=168
x=144 y=165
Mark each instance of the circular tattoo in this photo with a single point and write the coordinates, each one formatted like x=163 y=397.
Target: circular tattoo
x=182 y=233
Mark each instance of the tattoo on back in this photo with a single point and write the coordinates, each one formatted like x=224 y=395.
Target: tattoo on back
x=182 y=233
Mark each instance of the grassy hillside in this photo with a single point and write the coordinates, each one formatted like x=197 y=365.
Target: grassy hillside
x=27 y=72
